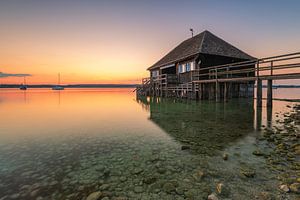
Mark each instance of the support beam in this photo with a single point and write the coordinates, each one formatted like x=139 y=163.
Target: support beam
x=200 y=91
x=270 y=94
x=269 y=116
x=259 y=93
x=225 y=92
x=217 y=92
x=258 y=117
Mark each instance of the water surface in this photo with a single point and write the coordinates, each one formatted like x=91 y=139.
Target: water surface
x=68 y=144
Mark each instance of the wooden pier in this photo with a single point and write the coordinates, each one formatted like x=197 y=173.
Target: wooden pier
x=223 y=82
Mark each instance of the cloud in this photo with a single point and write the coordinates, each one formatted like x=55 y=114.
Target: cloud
x=4 y=75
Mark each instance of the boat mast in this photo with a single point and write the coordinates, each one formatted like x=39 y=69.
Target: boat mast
x=58 y=78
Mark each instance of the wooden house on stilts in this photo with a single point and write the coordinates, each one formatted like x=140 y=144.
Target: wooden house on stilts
x=186 y=70
x=207 y=67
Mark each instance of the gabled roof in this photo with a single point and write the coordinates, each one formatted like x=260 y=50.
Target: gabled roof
x=206 y=43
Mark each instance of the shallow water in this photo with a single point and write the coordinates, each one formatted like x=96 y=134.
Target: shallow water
x=68 y=144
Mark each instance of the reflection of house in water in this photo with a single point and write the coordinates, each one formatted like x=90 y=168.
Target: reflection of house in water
x=204 y=126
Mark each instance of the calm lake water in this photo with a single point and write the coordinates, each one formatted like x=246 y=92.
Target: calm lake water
x=69 y=144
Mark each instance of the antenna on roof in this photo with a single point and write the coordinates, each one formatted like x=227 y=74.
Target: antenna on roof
x=192 y=31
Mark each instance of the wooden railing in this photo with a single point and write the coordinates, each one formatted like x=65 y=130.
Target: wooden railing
x=276 y=67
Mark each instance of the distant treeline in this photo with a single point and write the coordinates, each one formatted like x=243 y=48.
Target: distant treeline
x=74 y=86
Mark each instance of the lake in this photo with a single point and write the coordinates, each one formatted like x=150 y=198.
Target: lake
x=69 y=144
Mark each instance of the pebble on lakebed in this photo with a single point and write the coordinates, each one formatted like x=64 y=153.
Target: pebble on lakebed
x=94 y=196
x=212 y=197
x=225 y=156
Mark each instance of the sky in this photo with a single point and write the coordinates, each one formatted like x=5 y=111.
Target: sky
x=115 y=41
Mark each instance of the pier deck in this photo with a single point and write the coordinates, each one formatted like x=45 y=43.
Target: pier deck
x=226 y=81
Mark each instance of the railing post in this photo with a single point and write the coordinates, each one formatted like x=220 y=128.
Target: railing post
x=225 y=91
x=257 y=69
x=271 y=68
x=258 y=88
x=270 y=93
x=217 y=87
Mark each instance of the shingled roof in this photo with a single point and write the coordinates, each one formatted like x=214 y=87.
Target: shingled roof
x=206 y=43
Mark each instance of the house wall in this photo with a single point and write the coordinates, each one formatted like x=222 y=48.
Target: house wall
x=169 y=70
x=206 y=60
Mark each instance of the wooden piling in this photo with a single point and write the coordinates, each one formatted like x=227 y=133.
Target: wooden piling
x=270 y=93
x=259 y=93
x=217 y=91
x=225 y=92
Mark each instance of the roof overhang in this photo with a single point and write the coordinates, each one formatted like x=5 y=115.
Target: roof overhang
x=167 y=66
x=172 y=62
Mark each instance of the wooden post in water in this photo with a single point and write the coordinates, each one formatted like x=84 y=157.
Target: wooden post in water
x=270 y=93
x=193 y=95
x=217 y=92
x=258 y=117
x=225 y=92
x=211 y=91
x=247 y=90
x=258 y=87
x=229 y=90
x=270 y=89
x=259 y=93
x=269 y=116
x=200 y=91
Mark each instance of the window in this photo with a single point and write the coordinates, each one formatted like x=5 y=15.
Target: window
x=180 y=69
x=188 y=67
x=155 y=73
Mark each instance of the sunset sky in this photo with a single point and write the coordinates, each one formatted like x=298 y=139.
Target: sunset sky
x=114 y=41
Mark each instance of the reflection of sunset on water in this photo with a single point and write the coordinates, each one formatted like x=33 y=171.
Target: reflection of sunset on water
x=42 y=111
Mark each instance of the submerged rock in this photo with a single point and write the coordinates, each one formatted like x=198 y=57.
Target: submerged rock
x=104 y=187
x=15 y=196
x=248 y=173
x=223 y=190
x=169 y=187
x=119 y=198
x=212 y=197
x=198 y=175
x=225 y=156
x=184 y=147
x=34 y=193
x=137 y=171
x=94 y=196
x=257 y=153
x=149 y=180
x=123 y=179
x=295 y=187
x=265 y=196
x=138 y=189
x=284 y=188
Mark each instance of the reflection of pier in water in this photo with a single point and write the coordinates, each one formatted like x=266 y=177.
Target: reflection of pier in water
x=204 y=126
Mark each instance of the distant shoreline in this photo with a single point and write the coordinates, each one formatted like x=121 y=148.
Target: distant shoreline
x=74 y=86
x=109 y=86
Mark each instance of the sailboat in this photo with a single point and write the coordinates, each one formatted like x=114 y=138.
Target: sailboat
x=58 y=86
x=23 y=86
